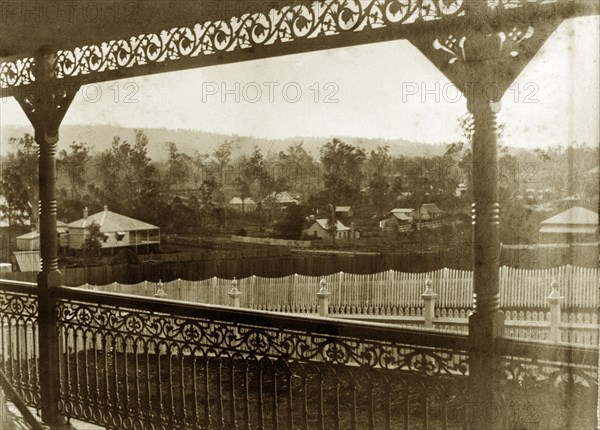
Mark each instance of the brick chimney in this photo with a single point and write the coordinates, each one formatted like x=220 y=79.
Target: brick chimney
x=85 y=212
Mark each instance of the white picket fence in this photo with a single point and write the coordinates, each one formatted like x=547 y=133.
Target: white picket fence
x=395 y=297
x=387 y=292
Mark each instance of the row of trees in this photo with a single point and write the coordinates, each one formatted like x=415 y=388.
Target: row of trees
x=373 y=182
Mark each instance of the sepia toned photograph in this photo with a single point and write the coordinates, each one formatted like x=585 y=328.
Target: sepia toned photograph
x=299 y=214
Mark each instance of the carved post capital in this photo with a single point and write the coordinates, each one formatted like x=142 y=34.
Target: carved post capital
x=479 y=104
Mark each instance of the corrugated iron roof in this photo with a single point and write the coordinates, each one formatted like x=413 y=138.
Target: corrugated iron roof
x=343 y=208
x=30 y=235
x=402 y=216
x=283 y=197
x=238 y=201
x=111 y=222
x=575 y=215
x=564 y=229
x=324 y=223
x=402 y=210
x=431 y=207
x=61 y=227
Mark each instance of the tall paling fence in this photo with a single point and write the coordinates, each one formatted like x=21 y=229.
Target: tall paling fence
x=523 y=293
x=277 y=263
x=134 y=362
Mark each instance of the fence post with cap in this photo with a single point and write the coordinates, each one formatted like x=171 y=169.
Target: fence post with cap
x=429 y=297
x=235 y=294
x=554 y=299
x=323 y=296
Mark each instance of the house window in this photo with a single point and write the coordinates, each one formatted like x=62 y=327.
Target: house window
x=120 y=235
x=105 y=237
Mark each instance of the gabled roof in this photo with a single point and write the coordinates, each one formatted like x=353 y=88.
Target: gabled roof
x=431 y=207
x=324 y=223
x=575 y=215
x=238 y=201
x=573 y=229
x=30 y=235
x=61 y=227
x=343 y=208
x=402 y=216
x=283 y=197
x=112 y=222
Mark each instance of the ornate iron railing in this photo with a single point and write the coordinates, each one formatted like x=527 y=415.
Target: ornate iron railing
x=549 y=387
x=19 y=339
x=129 y=362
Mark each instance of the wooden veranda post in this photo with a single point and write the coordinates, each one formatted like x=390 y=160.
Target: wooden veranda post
x=482 y=60
x=45 y=104
x=486 y=323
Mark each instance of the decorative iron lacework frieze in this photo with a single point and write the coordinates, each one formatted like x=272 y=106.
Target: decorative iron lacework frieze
x=293 y=22
x=287 y=24
x=23 y=306
x=199 y=335
x=525 y=371
x=548 y=394
x=511 y=43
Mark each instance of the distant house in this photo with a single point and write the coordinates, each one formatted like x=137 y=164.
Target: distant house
x=399 y=219
x=117 y=231
x=320 y=229
x=344 y=212
x=31 y=241
x=429 y=211
x=248 y=205
x=461 y=190
x=576 y=224
x=282 y=199
x=403 y=215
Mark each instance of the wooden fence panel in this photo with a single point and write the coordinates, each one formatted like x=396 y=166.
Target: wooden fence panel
x=377 y=293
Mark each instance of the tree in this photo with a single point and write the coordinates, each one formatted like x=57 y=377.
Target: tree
x=92 y=245
x=222 y=155
x=74 y=164
x=378 y=181
x=129 y=182
x=255 y=173
x=178 y=166
x=290 y=226
x=26 y=161
x=295 y=169
x=15 y=206
x=342 y=166
x=198 y=162
x=242 y=182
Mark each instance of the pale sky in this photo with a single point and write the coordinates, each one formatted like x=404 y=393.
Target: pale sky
x=375 y=91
